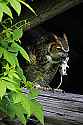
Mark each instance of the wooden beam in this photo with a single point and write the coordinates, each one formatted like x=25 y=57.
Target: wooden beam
x=62 y=108
x=50 y=11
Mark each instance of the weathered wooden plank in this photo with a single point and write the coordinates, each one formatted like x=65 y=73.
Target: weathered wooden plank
x=64 y=96
x=64 y=107
x=46 y=10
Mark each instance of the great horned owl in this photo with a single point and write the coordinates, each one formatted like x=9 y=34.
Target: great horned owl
x=47 y=54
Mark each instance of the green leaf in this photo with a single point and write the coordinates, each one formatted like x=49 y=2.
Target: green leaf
x=25 y=103
x=4 y=43
x=7 y=67
x=12 y=50
x=1 y=12
x=37 y=110
x=24 y=54
x=11 y=110
x=33 y=93
x=22 y=51
x=16 y=109
x=12 y=74
x=20 y=113
x=10 y=57
x=27 y=5
x=1 y=15
x=8 y=79
x=3 y=104
x=16 y=97
x=23 y=99
x=10 y=86
x=16 y=5
x=2 y=88
x=1 y=51
x=20 y=73
x=17 y=34
x=28 y=85
x=6 y=9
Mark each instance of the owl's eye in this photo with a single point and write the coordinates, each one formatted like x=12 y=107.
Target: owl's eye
x=59 y=48
x=55 y=49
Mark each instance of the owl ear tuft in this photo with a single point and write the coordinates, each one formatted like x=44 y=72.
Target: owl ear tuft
x=65 y=37
x=55 y=37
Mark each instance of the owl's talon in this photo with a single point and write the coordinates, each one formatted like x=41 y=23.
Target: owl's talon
x=59 y=90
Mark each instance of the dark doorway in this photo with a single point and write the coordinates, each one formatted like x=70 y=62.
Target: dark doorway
x=71 y=23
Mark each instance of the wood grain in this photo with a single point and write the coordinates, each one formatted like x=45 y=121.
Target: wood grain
x=65 y=107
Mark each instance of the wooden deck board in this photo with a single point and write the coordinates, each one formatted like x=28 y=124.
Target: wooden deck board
x=66 y=107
